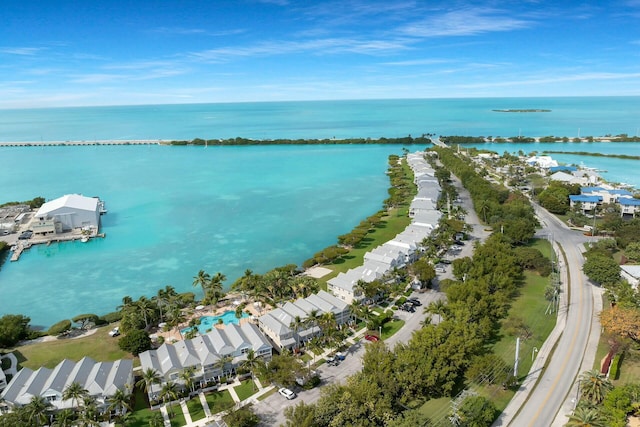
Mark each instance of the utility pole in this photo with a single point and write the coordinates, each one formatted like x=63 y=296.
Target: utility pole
x=515 y=365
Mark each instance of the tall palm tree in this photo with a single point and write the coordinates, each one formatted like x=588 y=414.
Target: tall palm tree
x=145 y=307
x=202 y=279
x=64 y=418
x=215 y=292
x=75 y=392
x=186 y=375
x=251 y=363
x=223 y=364
x=119 y=402
x=127 y=304
x=585 y=417
x=164 y=298
x=594 y=386
x=36 y=410
x=89 y=414
x=296 y=324
x=169 y=393
x=149 y=377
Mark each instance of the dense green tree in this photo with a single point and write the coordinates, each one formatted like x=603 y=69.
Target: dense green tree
x=300 y=415
x=476 y=411
x=601 y=269
x=242 y=417
x=13 y=328
x=135 y=342
x=555 y=199
x=284 y=369
x=488 y=369
x=410 y=418
x=423 y=271
x=632 y=251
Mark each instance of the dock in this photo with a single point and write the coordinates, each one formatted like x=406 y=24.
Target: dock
x=22 y=245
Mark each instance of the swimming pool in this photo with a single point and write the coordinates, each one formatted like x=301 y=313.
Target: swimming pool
x=209 y=322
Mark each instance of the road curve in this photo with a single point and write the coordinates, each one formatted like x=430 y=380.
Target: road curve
x=546 y=399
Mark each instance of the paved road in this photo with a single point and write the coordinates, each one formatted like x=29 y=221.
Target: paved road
x=555 y=386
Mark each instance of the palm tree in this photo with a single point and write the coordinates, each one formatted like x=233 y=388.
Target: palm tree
x=251 y=362
x=215 y=287
x=222 y=364
x=164 y=298
x=438 y=307
x=156 y=420
x=169 y=393
x=149 y=377
x=145 y=307
x=594 y=386
x=296 y=324
x=36 y=410
x=585 y=417
x=89 y=415
x=202 y=279
x=119 y=402
x=186 y=375
x=64 y=418
x=75 y=392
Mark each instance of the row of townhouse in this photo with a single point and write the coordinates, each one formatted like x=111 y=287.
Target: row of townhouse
x=100 y=379
x=405 y=247
x=592 y=197
x=211 y=356
x=288 y=326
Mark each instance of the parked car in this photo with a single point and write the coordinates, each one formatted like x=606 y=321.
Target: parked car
x=407 y=306
x=371 y=338
x=288 y=394
x=458 y=243
x=340 y=356
x=26 y=235
x=114 y=332
x=415 y=301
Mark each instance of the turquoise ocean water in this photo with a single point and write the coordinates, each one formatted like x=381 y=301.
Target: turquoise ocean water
x=175 y=210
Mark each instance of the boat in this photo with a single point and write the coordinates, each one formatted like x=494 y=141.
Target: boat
x=84 y=239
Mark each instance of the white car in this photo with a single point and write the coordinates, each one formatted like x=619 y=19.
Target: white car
x=114 y=332
x=287 y=393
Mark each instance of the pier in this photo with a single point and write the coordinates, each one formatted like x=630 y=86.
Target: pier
x=22 y=245
x=81 y=143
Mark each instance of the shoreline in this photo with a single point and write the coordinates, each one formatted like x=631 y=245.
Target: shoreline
x=172 y=142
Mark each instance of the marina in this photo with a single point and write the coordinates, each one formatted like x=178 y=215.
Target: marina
x=79 y=143
x=20 y=246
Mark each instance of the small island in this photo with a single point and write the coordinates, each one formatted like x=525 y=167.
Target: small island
x=528 y=110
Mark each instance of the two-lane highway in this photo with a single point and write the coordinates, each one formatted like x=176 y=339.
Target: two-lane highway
x=546 y=399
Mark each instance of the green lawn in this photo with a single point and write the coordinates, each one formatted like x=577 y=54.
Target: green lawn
x=530 y=306
x=391 y=328
x=267 y=394
x=195 y=409
x=177 y=419
x=391 y=225
x=246 y=389
x=99 y=346
x=219 y=401
x=436 y=409
x=141 y=412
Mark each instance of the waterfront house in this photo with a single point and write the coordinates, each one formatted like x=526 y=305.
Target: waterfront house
x=279 y=324
x=588 y=203
x=67 y=213
x=629 y=207
x=205 y=355
x=608 y=195
x=100 y=379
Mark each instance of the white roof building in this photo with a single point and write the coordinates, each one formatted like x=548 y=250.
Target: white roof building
x=100 y=379
x=631 y=273
x=71 y=211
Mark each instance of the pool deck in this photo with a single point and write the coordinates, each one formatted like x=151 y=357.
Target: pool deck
x=214 y=310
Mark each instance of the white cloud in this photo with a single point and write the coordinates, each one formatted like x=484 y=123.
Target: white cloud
x=464 y=22
x=23 y=51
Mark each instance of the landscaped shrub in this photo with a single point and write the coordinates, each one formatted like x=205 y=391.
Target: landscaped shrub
x=113 y=317
x=615 y=366
x=60 y=327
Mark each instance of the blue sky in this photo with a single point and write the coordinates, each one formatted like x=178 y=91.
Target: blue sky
x=117 y=52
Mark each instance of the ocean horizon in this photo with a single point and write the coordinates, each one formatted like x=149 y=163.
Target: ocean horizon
x=176 y=210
